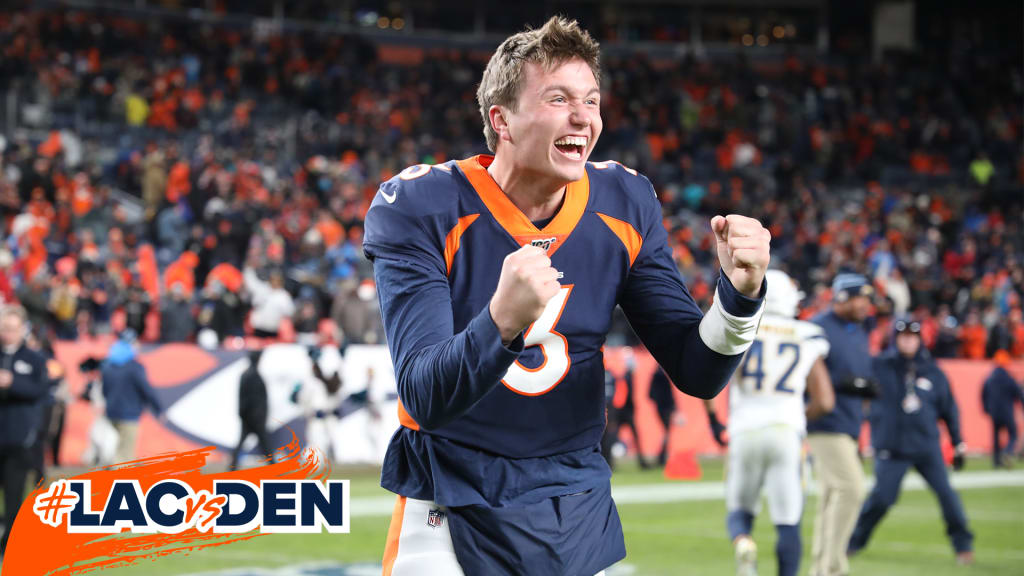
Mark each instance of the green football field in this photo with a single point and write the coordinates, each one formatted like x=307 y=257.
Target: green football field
x=671 y=537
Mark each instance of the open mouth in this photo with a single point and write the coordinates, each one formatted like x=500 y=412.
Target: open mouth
x=572 y=147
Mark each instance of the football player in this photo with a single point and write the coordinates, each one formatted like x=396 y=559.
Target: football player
x=767 y=424
x=497 y=278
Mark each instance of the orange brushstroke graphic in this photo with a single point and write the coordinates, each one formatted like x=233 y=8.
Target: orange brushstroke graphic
x=36 y=548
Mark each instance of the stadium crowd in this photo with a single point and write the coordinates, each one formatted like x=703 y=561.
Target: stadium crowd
x=202 y=182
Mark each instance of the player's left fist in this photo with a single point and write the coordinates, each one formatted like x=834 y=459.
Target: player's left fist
x=743 y=251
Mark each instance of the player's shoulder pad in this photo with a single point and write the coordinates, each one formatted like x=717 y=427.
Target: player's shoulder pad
x=419 y=190
x=807 y=330
x=813 y=336
x=623 y=193
x=412 y=211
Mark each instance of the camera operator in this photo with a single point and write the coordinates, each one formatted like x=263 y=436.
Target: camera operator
x=914 y=394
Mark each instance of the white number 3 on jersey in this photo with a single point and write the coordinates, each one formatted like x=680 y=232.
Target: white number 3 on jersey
x=554 y=347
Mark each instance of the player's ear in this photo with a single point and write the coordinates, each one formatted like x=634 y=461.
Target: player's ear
x=499 y=122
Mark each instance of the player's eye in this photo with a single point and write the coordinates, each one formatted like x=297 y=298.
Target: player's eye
x=559 y=99
x=592 y=101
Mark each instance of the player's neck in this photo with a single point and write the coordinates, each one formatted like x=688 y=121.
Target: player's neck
x=538 y=198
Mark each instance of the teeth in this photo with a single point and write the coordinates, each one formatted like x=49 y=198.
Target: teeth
x=571 y=141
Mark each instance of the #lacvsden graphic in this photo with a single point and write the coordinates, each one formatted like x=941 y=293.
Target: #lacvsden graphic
x=116 y=516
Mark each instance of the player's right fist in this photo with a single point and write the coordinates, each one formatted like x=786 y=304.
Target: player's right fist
x=526 y=284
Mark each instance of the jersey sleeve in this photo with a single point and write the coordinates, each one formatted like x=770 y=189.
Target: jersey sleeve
x=698 y=352
x=396 y=226
x=440 y=373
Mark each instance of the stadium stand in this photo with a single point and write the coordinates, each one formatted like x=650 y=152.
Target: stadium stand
x=148 y=158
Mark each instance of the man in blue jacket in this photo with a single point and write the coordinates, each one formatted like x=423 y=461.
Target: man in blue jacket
x=22 y=388
x=998 y=396
x=833 y=437
x=914 y=394
x=127 y=391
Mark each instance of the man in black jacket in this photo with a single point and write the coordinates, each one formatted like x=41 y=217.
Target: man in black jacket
x=22 y=387
x=914 y=395
x=252 y=408
x=998 y=396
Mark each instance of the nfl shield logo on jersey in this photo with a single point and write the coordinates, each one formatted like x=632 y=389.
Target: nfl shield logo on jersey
x=435 y=518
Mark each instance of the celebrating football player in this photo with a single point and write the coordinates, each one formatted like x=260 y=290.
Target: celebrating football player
x=497 y=278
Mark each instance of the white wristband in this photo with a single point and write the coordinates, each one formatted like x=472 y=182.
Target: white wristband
x=727 y=334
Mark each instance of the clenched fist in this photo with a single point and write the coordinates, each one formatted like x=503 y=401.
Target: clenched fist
x=742 y=251
x=526 y=284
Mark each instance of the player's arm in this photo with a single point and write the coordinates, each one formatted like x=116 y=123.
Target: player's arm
x=699 y=352
x=821 y=396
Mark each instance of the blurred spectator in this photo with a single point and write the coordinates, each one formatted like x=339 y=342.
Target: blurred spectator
x=252 y=409
x=222 y=311
x=172 y=232
x=998 y=396
x=136 y=306
x=127 y=392
x=307 y=322
x=271 y=303
x=947 y=341
x=973 y=337
x=176 y=318
x=1017 y=333
x=34 y=297
x=63 y=306
x=356 y=312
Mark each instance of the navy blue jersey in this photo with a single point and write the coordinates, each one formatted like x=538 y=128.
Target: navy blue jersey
x=483 y=423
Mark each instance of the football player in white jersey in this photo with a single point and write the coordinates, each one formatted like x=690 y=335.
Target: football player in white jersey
x=767 y=422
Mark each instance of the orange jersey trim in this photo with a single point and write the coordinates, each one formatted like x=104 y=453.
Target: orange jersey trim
x=453 y=240
x=512 y=219
x=394 y=532
x=405 y=419
x=630 y=238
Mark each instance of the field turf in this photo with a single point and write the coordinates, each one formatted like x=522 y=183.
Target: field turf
x=666 y=538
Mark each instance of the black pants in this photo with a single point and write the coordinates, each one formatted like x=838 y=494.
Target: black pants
x=666 y=420
x=264 y=333
x=15 y=462
x=257 y=426
x=889 y=471
x=998 y=450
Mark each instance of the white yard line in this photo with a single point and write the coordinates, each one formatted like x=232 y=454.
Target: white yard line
x=709 y=491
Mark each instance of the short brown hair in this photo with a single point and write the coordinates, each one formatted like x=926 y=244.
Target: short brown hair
x=556 y=42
